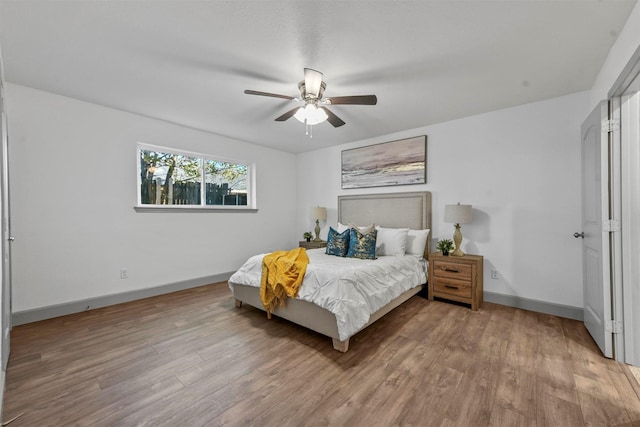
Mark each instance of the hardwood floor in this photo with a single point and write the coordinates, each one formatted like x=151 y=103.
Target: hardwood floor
x=192 y=358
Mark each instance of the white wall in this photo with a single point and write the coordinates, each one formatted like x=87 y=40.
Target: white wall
x=518 y=167
x=73 y=188
x=626 y=44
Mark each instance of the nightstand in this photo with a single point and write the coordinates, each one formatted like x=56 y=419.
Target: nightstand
x=456 y=278
x=312 y=244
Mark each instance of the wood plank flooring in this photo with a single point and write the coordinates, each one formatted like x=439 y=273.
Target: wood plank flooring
x=192 y=358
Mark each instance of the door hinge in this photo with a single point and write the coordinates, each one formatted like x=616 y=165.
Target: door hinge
x=611 y=225
x=613 y=326
x=612 y=125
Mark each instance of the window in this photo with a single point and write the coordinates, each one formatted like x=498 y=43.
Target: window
x=173 y=178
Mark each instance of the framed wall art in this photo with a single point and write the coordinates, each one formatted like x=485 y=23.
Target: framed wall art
x=401 y=162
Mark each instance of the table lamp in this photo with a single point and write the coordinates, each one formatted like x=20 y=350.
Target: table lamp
x=318 y=213
x=457 y=214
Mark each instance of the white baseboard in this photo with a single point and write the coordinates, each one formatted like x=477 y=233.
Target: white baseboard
x=568 y=311
x=49 y=312
x=2 y=381
x=29 y=316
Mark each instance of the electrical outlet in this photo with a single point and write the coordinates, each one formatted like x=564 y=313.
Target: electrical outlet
x=124 y=274
x=494 y=274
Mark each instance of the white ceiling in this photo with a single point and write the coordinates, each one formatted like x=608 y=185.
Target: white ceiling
x=188 y=62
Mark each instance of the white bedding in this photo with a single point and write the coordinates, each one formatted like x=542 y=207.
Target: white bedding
x=352 y=289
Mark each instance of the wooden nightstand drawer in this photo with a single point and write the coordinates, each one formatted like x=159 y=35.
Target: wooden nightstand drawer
x=452 y=287
x=456 y=278
x=452 y=270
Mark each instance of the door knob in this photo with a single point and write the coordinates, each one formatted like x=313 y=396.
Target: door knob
x=576 y=235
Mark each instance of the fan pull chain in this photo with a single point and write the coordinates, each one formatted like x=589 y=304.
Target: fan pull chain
x=308 y=129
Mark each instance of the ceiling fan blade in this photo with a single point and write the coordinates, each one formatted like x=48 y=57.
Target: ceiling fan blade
x=312 y=82
x=353 y=100
x=333 y=119
x=287 y=115
x=273 y=95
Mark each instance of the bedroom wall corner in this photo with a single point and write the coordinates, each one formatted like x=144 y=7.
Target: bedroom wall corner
x=520 y=169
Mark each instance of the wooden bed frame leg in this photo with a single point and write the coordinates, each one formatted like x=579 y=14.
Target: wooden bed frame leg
x=341 y=346
x=238 y=303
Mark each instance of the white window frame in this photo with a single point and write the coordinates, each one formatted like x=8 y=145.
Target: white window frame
x=251 y=205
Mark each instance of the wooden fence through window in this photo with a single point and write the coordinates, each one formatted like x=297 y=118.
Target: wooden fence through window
x=188 y=193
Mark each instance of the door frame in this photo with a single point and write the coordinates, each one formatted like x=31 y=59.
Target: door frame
x=615 y=238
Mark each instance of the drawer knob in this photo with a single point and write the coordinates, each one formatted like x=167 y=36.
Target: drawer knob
x=450 y=287
x=451 y=270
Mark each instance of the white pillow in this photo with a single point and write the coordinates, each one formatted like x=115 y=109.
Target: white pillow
x=391 y=241
x=364 y=230
x=341 y=228
x=416 y=242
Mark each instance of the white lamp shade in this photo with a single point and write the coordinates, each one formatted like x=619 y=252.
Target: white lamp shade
x=319 y=213
x=457 y=214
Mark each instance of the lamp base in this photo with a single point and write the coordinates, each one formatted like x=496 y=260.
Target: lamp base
x=317 y=231
x=457 y=240
x=457 y=252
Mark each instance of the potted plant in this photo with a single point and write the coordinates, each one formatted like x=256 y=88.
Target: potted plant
x=445 y=246
x=307 y=235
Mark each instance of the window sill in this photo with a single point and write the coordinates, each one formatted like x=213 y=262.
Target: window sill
x=186 y=208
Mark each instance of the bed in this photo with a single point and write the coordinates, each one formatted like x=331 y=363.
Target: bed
x=394 y=210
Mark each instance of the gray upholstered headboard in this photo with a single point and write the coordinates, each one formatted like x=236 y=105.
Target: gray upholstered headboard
x=392 y=210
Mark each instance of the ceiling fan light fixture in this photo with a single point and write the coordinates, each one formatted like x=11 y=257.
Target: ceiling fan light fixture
x=311 y=115
x=312 y=94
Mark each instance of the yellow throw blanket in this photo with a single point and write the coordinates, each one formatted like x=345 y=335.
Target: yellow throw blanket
x=282 y=274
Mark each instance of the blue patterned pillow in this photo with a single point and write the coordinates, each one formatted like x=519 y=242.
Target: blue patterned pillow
x=337 y=243
x=362 y=245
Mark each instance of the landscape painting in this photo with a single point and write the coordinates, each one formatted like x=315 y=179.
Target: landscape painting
x=400 y=162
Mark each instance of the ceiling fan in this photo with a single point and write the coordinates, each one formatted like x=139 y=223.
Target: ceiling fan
x=314 y=111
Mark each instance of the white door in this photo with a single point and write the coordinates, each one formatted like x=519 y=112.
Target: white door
x=595 y=242
x=5 y=298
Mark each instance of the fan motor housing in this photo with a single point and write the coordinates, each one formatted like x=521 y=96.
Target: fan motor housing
x=303 y=90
